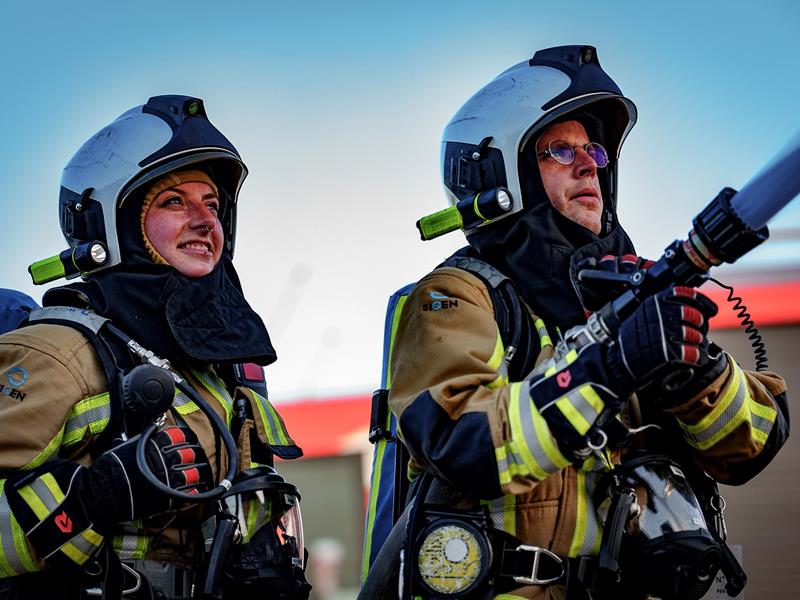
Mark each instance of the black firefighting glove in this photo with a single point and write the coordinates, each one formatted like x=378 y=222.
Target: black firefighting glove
x=664 y=342
x=65 y=509
x=594 y=294
x=115 y=490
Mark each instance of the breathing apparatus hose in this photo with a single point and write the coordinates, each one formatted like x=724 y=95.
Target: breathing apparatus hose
x=230 y=445
x=151 y=428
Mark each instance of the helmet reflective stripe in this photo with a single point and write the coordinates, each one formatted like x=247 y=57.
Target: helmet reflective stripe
x=516 y=106
x=145 y=142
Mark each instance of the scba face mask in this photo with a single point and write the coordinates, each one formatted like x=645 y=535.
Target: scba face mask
x=655 y=539
x=261 y=545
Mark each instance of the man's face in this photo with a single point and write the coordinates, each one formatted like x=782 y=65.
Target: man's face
x=574 y=189
x=183 y=227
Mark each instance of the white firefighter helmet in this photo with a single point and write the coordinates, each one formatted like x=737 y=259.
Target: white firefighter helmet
x=165 y=134
x=482 y=142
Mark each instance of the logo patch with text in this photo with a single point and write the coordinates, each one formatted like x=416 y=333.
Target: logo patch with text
x=439 y=302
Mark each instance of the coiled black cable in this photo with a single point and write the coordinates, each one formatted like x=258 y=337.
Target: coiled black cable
x=759 y=349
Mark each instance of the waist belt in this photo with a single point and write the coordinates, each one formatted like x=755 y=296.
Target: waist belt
x=522 y=564
x=531 y=565
x=518 y=564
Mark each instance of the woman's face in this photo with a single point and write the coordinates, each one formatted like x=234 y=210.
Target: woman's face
x=183 y=226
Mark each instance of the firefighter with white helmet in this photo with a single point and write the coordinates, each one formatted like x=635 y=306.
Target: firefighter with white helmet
x=148 y=208
x=491 y=421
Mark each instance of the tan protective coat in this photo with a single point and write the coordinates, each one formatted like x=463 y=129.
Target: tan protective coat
x=446 y=352
x=62 y=369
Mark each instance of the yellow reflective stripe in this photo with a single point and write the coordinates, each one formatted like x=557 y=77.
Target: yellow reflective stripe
x=575 y=418
x=15 y=559
x=32 y=500
x=258 y=515
x=510 y=514
x=54 y=488
x=592 y=397
x=588 y=529
x=733 y=409
x=216 y=388
x=132 y=544
x=502 y=511
x=541 y=330
x=91 y=536
x=48 y=452
x=82 y=546
x=497 y=383
x=517 y=434
x=273 y=426
x=509 y=597
x=496 y=359
x=44 y=496
x=183 y=404
x=92 y=413
x=506 y=470
x=531 y=437
x=728 y=396
x=762 y=420
x=580 y=522
x=401 y=302
x=580 y=406
x=73 y=553
x=252 y=517
x=372 y=507
x=566 y=361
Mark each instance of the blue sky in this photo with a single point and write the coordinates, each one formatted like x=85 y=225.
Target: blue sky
x=338 y=110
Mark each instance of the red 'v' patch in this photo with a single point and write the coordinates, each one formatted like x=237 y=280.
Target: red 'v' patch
x=563 y=379
x=63 y=522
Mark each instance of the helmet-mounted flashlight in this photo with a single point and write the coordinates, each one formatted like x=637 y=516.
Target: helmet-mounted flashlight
x=484 y=207
x=83 y=258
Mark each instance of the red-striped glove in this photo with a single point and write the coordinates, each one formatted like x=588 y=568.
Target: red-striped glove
x=666 y=335
x=594 y=295
x=114 y=489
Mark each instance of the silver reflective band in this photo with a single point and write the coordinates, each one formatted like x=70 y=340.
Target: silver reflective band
x=534 y=578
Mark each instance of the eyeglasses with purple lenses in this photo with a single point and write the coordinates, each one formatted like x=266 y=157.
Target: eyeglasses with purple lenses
x=564 y=153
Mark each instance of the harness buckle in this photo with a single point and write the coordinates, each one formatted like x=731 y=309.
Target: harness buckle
x=538 y=554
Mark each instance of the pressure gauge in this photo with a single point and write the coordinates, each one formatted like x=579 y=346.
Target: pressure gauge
x=454 y=557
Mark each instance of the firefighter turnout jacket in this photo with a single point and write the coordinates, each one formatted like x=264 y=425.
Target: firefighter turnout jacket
x=55 y=405
x=466 y=423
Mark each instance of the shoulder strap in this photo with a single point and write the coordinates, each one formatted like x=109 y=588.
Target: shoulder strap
x=513 y=320
x=111 y=356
